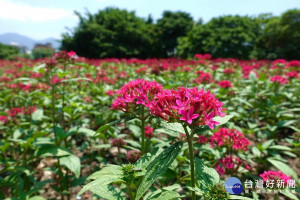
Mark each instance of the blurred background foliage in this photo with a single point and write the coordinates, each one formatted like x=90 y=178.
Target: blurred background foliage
x=117 y=33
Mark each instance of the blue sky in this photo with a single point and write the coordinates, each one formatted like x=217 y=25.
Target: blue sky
x=41 y=19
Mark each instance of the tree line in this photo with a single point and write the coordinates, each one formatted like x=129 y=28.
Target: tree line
x=117 y=33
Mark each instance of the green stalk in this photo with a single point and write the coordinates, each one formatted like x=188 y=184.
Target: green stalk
x=143 y=131
x=63 y=101
x=53 y=106
x=192 y=162
x=129 y=191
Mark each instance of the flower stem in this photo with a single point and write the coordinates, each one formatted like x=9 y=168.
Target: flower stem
x=192 y=162
x=143 y=131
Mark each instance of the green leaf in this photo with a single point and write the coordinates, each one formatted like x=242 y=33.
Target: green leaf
x=108 y=192
x=206 y=177
x=167 y=195
x=177 y=127
x=99 y=184
x=146 y=159
x=288 y=193
x=86 y=131
x=109 y=171
x=37 y=115
x=239 y=197
x=283 y=167
x=267 y=143
x=37 y=198
x=51 y=150
x=280 y=147
x=72 y=163
x=256 y=151
x=158 y=167
x=222 y=120
x=252 y=76
x=104 y=127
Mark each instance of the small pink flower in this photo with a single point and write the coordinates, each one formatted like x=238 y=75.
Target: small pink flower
x=275 y=175
x=189 y=115
x=136 y=92
x=194 y=106
x=225 y=84
x=148 y=132
x=229 y=138
x=279 y=79
x=133 y=155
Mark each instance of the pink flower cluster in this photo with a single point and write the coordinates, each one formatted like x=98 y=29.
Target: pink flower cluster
x=292 y=74
x=117 y=142
x=135 y=92
x=133 y=155
x=190 y=105
x=228 y=71
x=64 y=55
x=275 y=175
x=3 y=118
x=201 y=139
x=206 y=56
x=229 y=138
x=225 y=84
x=203 y=78
x=279 y=79
x=149 y=132
x=21 y=110
x=230 y=165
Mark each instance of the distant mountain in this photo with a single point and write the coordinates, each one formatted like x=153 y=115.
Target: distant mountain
x=21 y=40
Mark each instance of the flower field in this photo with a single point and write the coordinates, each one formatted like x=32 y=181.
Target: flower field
x=77 y=128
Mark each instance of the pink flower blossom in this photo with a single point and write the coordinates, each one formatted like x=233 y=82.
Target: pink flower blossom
x=229 y=138
x=3 y=118
x=148 y=132
x=136 y=92
x=201 y=139
x=133 y=155
x=225 y=84
x=275 y=175
x=279 y=79
x=229 y=165
x=190 y=105
x=117 y=142
x=292 y=74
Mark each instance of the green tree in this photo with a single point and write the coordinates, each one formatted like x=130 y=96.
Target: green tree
x=8 y=51
x=110 y=33
x=42 y=52
x=172 y=26
x=227 y=36
x=280 y=37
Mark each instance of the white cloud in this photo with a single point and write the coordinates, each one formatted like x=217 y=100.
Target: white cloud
x=22 y=12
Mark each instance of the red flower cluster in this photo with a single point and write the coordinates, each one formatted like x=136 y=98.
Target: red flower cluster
x=275 y=175
x=136 y=92
x=279 y=79
x=229 y=138
x=203 y=78
x=64 y=55
x=225 y=84
x=230 y=165
x=292 y=74
x=21 y=110
x=190 y=105
x=149 y=132
x=228 y=71
x=133 y=155
x=201 y=139
x=206 y=56
x=3 y=118
x=117 y=142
